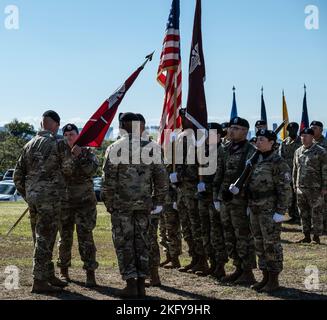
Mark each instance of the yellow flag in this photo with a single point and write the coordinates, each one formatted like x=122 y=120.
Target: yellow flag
x=284 y=134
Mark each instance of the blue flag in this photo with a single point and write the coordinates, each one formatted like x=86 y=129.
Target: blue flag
x=305 y=117
x=234 y=106
x=263 y=108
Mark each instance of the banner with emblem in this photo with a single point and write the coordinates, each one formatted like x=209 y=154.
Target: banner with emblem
x=196 y=110
x=96 y=128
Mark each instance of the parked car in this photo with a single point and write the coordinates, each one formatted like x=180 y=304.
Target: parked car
x=8 y=192
x=9 y=175
x=97 y=184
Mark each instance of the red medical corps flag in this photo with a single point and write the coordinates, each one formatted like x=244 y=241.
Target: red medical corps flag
x=96 y=128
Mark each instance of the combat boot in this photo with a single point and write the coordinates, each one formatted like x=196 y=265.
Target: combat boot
x=316 y=239
x=258 y=286
x=219 y=272
x=232 y=276
x=41 y=286
x=54 y=281
x=168 y=260
x=64 y=274
x=130 y=291
x=141 y=287
x=190 y=265
x=90 y=279
x=173 y=264
x=246 y=278
x=306 y=239
x=154 y=278
x=272 y=284
x=213 y=265
x=201 y=268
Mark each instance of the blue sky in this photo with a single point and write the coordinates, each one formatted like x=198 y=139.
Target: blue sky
x=71 y=55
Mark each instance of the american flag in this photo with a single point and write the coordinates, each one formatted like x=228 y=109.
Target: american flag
x=169 y=70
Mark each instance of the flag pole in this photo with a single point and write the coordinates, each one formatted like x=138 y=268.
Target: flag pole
x=175 y=121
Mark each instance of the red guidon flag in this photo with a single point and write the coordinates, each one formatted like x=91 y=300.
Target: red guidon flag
x=96 y=128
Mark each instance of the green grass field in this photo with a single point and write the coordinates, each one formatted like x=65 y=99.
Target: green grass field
x=17 y=250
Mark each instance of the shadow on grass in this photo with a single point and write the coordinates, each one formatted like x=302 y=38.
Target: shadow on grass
x=185 y=294
x=297 y=294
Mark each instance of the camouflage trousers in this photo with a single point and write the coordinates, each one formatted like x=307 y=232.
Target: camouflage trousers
x=84 y=217
x=130 y=234
x=154 y=258
x=267 y=240
x=293 y=209
x=311 y=208
x=238 y=238
x=170 y=231
x=44 y=218
x=189 y=217
x=212 y=231
x=325 y=215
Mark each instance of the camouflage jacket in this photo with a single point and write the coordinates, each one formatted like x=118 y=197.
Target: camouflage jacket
x=288 y=148
x=187 y=172
x=209 y=179
x=128 y=186
x=78 y=173
x=270 y=183
x=38 y=174
x=310 y=168
x=230 y=167
x=322 y=142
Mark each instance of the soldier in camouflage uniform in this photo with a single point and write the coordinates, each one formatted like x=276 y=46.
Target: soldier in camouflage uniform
x=286 y=151
x=318 y=129
x=38 y=179
x=269 y=191
x=127 y=192
x=79 y=165
x=186 y=180
x=310 y=182
x=212 y=233
x=237 y=234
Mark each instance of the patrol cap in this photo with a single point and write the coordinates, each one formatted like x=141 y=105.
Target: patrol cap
x=293 y=125
x=215 y=126
x=52 y=115
x=240 y=122
x=307 y=131
x=253 y=140
x=269 y=134
x=317 y=123
x=182 y=112
x=69 y=127
x=129 y=117
x=141 y=118
x=260 y=123
x=225 y=125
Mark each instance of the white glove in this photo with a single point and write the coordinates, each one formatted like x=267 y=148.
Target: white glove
x=278 y=217
x=201 y=187
x=217 y=205
x=157 y=210
x=248 y=163
x=248 y=211
x=234 y=190
x=175 y=206
x=173 y=137
x=173 y=177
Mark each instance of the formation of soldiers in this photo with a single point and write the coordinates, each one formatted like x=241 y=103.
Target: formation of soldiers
x=176 y=200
